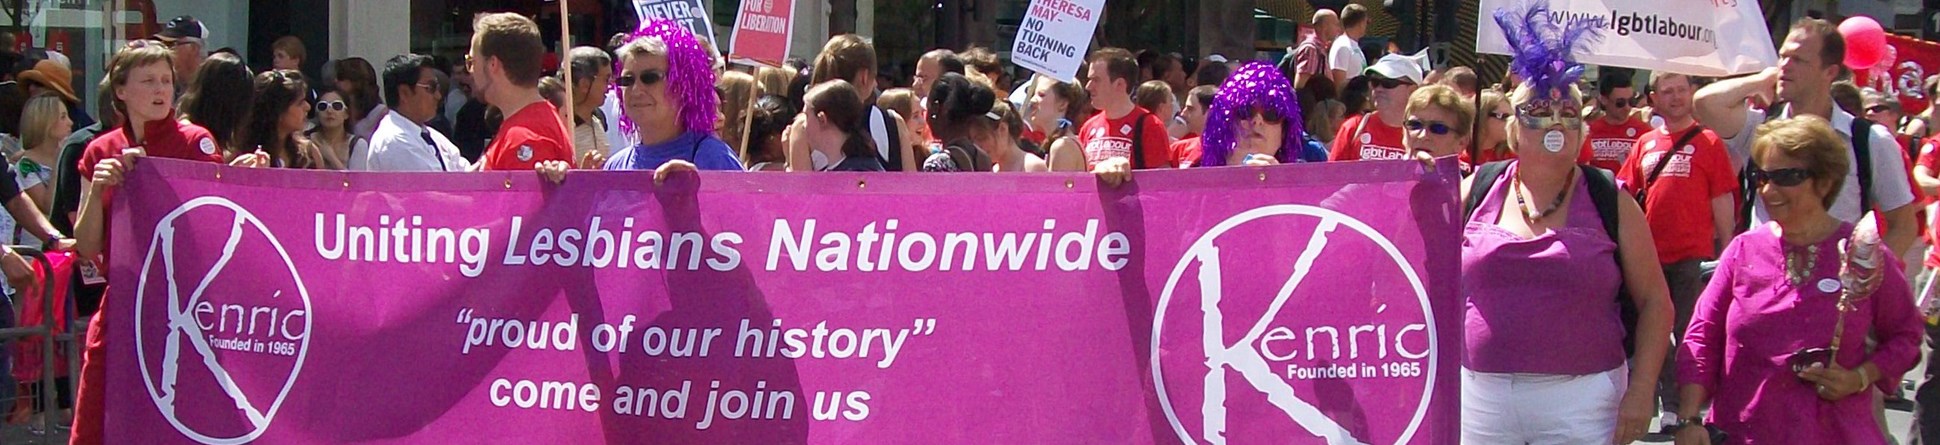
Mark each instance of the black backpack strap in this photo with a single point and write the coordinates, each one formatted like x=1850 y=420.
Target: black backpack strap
x=1655 y=172
x=1138 y=140
x=1862 y=137
x=1479 y=185
x=1603 y=193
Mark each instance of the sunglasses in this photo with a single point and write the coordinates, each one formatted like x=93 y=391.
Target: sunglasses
x=1437 y=128
x=330 y=105
x=1269 y=115
x=1626 y=102
x=1877 y=109
x=1386 y=83
x=1784 y=177
x=645 y=79
x=1541 y=116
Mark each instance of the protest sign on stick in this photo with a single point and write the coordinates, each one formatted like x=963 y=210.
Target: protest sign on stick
x=689 y=13
x=1055 y=36
x=762 y=31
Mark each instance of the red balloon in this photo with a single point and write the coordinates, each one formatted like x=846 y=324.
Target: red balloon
x=1865 y=41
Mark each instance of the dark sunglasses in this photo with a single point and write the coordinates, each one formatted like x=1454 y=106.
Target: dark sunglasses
x=1784 y=177
x=1269 y=115
x=1386 y=83
x=1438 y=128
x=330 y=105
x=645 y=79
x=1627 y=102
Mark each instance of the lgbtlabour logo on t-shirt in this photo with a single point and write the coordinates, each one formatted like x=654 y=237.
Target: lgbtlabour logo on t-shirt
x=1680 y=165
x=1102 y=146
x=1301 y=360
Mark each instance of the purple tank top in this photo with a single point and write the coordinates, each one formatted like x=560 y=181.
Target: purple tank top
x=1540 y=305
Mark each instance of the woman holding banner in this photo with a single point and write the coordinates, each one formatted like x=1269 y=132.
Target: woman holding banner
x=1545 y=358
x=141 y=80
x=1757 y=348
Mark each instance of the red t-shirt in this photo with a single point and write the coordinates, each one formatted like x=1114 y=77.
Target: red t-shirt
x=532 y=135
x=166 y=138
x=1678 y=203
x=1374 y=142
x=1609 y=145
x=1104 y=138
x=1185 y=152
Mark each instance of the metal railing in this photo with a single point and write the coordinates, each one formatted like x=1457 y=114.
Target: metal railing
x=51 y=314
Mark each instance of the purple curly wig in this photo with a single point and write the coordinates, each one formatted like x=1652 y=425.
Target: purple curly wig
x=1255 y=85
x=1544 y=50
x=690 y=75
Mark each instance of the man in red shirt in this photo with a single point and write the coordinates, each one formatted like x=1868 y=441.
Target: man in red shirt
x=1185 y=151
x=505 y=62
x=1121 y=129
x=1688 y=185
x=1612 y=137
x=1376 y=135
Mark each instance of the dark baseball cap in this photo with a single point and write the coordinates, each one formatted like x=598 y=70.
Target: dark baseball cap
x=183 y=27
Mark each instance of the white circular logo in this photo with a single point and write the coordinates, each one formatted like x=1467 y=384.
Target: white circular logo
x=234 y=342
x=1252 y=339
x=1828 y=285
x=208 y=146
x=525 y=153
x=1366 y=138
x=1553 y=141
x=1631 y=132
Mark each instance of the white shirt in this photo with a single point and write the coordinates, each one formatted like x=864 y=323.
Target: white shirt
x=1346 y=55
x=399 y=146
x=1890 y=189
x=614 y=137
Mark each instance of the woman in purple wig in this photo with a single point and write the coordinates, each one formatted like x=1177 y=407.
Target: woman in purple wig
x=1255 y=120
x=666 y=83
x=1545 y=359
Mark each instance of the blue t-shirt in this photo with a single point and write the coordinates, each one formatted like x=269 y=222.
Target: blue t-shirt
x=705 y=151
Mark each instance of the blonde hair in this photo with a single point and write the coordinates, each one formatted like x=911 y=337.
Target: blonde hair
x=900 y=100
x=1523 y=94
x=641 y=47
x=737 y=89
x=38 y=117
x=1811 y=141
x=771 y=80
x=1447 y=99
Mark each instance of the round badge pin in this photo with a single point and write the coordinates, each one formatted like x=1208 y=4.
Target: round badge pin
x=1553 y=141
x=1828 y=285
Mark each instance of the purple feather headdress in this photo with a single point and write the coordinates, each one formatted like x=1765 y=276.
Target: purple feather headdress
x=690 y=75
x=1256 y=84
x=1545 y=50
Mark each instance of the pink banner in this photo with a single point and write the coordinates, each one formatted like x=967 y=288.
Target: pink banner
x=1294 y=304
x=761 y=31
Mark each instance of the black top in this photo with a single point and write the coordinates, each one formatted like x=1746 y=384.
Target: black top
x=67 y=177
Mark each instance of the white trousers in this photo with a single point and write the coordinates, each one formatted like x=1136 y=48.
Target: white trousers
x=1541 y=409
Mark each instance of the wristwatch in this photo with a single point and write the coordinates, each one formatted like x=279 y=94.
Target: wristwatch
x=1682 y=422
